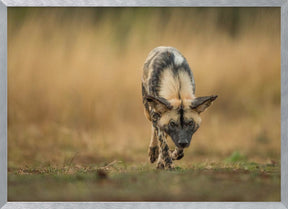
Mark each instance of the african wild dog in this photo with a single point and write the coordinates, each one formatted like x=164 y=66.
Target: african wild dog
x=168 y=91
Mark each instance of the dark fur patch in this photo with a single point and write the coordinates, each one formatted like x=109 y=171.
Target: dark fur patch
x=153 y=153
x=181 y=113
x=162 y=61
x=144 y=95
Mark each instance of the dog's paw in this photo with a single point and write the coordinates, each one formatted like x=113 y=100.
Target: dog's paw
x=180 y=156
x=177 y=154
x=169 y=167
x=160 y=164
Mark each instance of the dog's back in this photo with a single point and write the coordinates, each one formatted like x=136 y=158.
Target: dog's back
x=167 y=74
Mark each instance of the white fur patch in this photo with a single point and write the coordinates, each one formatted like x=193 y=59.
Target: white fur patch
x=178 y=58
x=171 y=86
x=186 y=90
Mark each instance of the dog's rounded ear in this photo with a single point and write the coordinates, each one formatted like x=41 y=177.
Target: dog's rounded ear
x=158 y=103
x=200 y=104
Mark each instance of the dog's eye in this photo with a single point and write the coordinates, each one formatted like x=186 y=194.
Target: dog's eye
x=155 y=116
x=172 y=124
x=191 y=123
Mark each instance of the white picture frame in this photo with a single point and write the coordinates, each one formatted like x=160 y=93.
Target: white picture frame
x=4 y=4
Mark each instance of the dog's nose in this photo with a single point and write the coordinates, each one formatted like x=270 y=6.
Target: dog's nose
x=183 y=144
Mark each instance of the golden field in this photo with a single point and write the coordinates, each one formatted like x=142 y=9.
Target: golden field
x=74 y=82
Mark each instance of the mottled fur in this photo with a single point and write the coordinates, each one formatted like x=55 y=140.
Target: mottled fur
x=168 y=91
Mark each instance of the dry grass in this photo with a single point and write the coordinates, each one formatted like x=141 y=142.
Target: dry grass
x=74 y=84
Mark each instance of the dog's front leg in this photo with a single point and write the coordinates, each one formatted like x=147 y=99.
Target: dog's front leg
x=164 y=159
x=153 y=147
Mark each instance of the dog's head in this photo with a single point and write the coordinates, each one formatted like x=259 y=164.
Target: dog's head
x=180 y=119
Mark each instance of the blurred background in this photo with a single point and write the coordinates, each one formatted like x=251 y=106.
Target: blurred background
x=74 y=82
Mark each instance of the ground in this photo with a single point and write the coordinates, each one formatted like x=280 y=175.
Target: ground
x=118 y=181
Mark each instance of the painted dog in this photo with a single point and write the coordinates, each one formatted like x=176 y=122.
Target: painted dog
x=168 y=90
